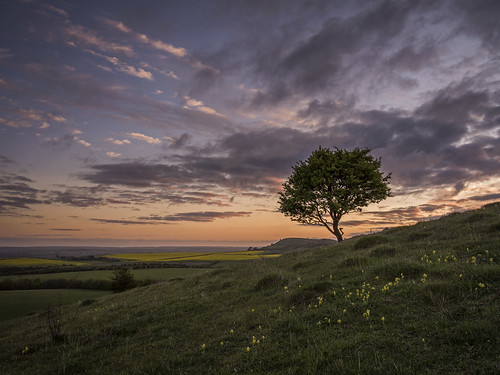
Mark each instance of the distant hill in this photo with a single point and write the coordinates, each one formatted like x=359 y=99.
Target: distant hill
x=287 y=245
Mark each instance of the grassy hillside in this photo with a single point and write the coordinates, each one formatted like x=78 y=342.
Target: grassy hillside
x=414 y=300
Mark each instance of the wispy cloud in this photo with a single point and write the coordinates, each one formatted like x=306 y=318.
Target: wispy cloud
x=157 y=44
x=118 y=142
x=143 y=137
x=83 y=37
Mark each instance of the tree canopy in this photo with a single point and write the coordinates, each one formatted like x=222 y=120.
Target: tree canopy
x=331 y=183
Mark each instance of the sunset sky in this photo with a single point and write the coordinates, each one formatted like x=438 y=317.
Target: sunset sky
x=131 y=123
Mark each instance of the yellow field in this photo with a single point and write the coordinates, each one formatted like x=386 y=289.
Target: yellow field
x=26 y=262
x=173 y=257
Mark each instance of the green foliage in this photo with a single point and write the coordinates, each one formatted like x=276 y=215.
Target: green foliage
x=123 y=279
x=330 y=184
x=430 y=308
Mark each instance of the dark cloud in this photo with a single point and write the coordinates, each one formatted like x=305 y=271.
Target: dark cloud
x=138 y=174
x=435 y=145
x=339 y=49
x=481 y=19
x=199 y=217
x=144 y=193
x=181 y=142
x=204 y=216
x=15 y=193
x=487 y=197
x=124 y=222
x=79 y=196
x=66 y=229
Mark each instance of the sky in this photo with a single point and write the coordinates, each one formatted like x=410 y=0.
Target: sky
x=158 y=123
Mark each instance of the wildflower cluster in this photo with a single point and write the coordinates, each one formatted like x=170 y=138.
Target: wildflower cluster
x=479 y=257
x=256 y=340
x=394 y=283
x=438 y=258
x=364 y=293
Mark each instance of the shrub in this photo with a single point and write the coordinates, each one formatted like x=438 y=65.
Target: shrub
x=123 y=279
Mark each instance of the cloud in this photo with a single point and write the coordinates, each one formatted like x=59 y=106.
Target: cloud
x=143 y=137
x=157 y=44
x=17 y=117
x=112 y=154
x=487 y=197
x=124 y=222
x=79 y=35
x=60 y=142
x=430 y=147
x=136 y=174
x=204 y=216
x=197 y=217
x=118 y=142
x=65 y=229
x=200 y=106
x=84 y=143
x=78 y=196
x=16 y=193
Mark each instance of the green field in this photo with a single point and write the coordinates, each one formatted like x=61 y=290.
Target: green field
x=17 y=303
x=36 y=262
x=194 y=256
x=140 y=274
x=421 y=299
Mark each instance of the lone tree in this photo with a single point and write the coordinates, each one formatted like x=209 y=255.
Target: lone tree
x=329 y=184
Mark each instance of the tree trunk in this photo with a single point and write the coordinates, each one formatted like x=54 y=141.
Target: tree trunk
x=337 y=232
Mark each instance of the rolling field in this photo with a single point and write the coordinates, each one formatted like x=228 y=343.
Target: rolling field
x=183 y=256
x=140 y=274
x=422 y=299
x=18 y=303
x=36 y=262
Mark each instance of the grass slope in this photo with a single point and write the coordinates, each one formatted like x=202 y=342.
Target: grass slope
x=413 y=300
